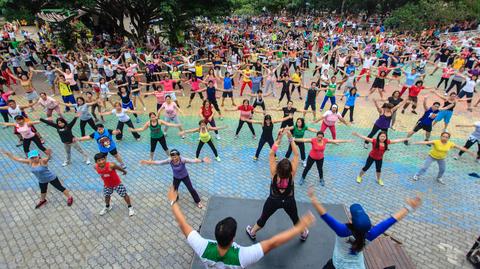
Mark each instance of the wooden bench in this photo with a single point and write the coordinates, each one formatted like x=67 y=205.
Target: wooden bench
x=386 y=252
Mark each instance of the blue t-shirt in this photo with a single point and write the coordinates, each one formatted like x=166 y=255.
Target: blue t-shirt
x=227 y=83
x=351 y=99
x=101 y=143
x=410 y=78
x=211 y=93
x=349 y=69
x=428 y=117
x=256 y=82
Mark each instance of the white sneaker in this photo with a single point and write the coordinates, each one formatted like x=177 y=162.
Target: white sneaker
x=65 y=163
x=456 y=157
x=304 y=163
x=105 y=210
x=415 y=177
x=440 y=180
x=131 y=212
x=87 y=162
x=124 y=166
x=218 y=137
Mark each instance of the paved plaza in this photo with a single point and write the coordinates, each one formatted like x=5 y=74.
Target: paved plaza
x=56 y=236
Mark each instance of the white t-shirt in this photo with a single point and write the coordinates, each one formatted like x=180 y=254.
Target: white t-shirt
x=469 y=85
x=206 y=250
x=476 y=133
x=122 y=115
x=49 y=103
x=367 y=63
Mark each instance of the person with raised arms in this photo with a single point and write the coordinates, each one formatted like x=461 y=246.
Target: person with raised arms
x=223 y=252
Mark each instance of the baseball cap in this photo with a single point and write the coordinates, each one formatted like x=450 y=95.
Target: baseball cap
x=33 y=153
x=360 y=219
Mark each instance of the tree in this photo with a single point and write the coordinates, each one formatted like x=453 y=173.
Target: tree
x=21 y=9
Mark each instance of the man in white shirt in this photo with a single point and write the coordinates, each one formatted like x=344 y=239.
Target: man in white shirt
x=223 y=253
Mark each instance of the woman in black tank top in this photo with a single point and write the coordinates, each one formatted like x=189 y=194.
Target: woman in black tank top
x=281 y=189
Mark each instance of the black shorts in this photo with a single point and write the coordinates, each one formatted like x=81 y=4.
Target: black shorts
x=310 y=104
x=113 y=152
x=419 y=126
x=227 y=94
x=74 y=87
x=262 y=105
x=378 y=83
x=286 y=123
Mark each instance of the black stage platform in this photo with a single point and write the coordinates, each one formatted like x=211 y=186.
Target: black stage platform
x=314 y=253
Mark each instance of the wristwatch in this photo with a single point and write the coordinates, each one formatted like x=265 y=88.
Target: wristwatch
x=173 y=202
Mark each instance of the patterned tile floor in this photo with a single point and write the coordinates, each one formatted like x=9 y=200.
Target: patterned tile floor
x=436 y=236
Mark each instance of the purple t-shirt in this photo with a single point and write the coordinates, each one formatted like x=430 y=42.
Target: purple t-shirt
x=179 y=169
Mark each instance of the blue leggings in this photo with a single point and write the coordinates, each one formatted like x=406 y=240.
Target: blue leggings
x=325 y=99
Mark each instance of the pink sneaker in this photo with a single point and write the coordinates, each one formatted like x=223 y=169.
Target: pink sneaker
x=70 y=201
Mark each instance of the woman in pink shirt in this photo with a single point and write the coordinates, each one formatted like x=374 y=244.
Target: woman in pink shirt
x=447 y=72
x=245 y=114
x=329 y=119
x=171 y=111
x=316 y=154
x=195 y=84
x=28 y=133
x=168 y=87
x=50 y=105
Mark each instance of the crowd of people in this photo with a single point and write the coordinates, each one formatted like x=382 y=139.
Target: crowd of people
x=256 y=59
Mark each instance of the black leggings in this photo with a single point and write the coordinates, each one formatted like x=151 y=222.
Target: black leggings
x=310 y=162
x=445 y=81
x=374 y=131
x=5 y=116
x=273 y=204
x=283 y=93
x=95 y=107
x=120 y=127
x=370 y=160
x=298 y=89
x=192 y=95
x=469 y=144
x=36 y=140
x=456 y=83
x=301 y=146
x=210 y=143
x=214 y=104
x=262 y=142
x=240 y=125
x=83 y=123
x=161 y=140
x=344 y=112
x=55 y=183
x=188 y=183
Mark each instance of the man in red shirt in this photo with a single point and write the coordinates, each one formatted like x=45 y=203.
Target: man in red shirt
x=111 y=182
x=413 y=93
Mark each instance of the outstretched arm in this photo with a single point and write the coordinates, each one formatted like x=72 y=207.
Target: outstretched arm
x=14 y=158
x=177 y=212
x=366 y=138
x=277 y=240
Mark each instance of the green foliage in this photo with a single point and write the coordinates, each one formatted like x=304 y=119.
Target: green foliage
x=427 y=13
x=21 y=9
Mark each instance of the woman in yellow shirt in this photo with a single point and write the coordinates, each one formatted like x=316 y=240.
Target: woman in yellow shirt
x=296 y=79
x=438 y=154
x=458 y=63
